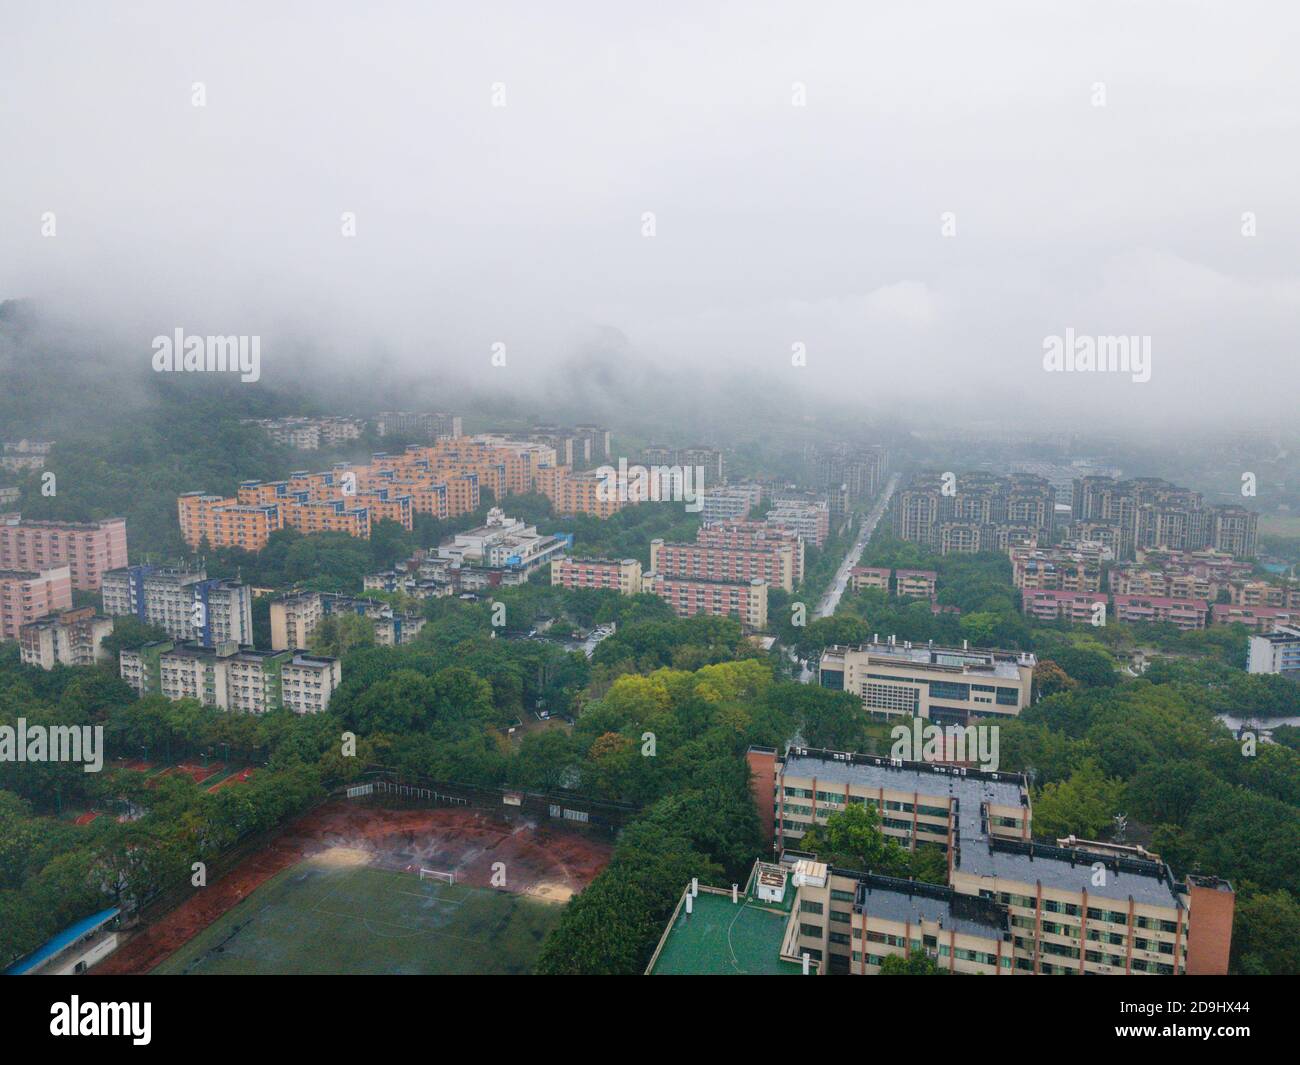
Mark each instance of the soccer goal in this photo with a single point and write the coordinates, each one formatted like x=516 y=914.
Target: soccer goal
x=433 y=874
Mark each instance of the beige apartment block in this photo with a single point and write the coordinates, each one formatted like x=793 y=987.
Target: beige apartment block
x=1012 y=905
x=622 y=576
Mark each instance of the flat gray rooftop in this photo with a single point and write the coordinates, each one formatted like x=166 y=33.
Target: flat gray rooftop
x=969 y=662
x=895 y=905
x=976 y=856
x=969 y=790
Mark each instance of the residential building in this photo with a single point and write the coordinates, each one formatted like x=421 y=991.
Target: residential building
x=1012 y=905
x=598 y=495
x=812 y=521
x=24 y=456
x=295 y=619
x=141 y=667
x=598 y=440
x=623 y=576
x=1148 y=513
x=859 y=471
x=1275 y=652
x=225 y=522
x=69 y=638
x=28 y=595
x=310 y=434
x=756 y=536
x=418 y=426
x=688 y=596
x=444 y=479
x=772 y=562
x=572 y=449
x=707 y=458
x=730 y=502
x=863 y=577
x=1050 y=604
x=1185 y=614
x=88 y=549
x=1068 y=567
x=973 y=512
x=1132 y=580
x=1262 y=619
x=229 y=677
x=947 y=685
x=1284 y=594
x=185 y=602
x=915 y=583
x=308 y=681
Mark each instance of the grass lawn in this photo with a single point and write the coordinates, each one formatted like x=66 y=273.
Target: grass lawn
x=323 y=916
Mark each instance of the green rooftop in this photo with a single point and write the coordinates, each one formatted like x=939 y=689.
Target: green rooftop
x=722 y=938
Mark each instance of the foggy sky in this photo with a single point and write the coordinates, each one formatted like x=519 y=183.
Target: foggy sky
x=775 y=224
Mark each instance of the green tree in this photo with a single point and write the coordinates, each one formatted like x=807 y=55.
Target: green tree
x=1082 y=805
x=917 y=963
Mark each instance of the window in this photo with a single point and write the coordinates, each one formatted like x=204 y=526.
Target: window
x=943 y=689
x=892 y=698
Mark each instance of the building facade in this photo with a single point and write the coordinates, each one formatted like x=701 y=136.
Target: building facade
x=947 y=685
x=772 y=562
x=29 y=595
x=1275 y=652
x=623 y=576
x=233 y=678
x=414 y=425
x=688 y=596
x=186 y=603
x=971 y=512
x=88 y=549
x=1148 y=513
x=1012 y=905
x=295 y=619
x=70 y=638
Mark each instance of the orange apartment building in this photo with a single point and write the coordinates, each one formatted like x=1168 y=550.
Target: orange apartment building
x=27 y=595
x=444 y=480
x=586 y=492
x=88 y=549
x=225 y=522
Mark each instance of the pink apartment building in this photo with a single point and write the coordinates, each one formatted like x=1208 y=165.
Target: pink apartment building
x=88 y=549
x=26 y=595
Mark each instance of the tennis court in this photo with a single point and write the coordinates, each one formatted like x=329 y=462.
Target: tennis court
x=336 y=914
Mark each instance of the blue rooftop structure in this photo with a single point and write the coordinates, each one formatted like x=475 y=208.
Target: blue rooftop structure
x=60 y=942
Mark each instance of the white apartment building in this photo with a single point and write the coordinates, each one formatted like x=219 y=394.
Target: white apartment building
x=184 y=602
x=71 y=638
x=233 y=678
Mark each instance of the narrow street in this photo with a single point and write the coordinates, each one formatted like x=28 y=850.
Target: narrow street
x=832 y=598
x=826 y=606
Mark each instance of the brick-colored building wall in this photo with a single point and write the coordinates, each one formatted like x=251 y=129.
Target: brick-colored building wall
x=762 y=783
x=1209 y=938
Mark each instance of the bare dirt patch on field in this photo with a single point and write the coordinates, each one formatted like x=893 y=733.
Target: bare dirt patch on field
x=536 y=859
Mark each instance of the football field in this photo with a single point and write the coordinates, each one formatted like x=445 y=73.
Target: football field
x=340 y=916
